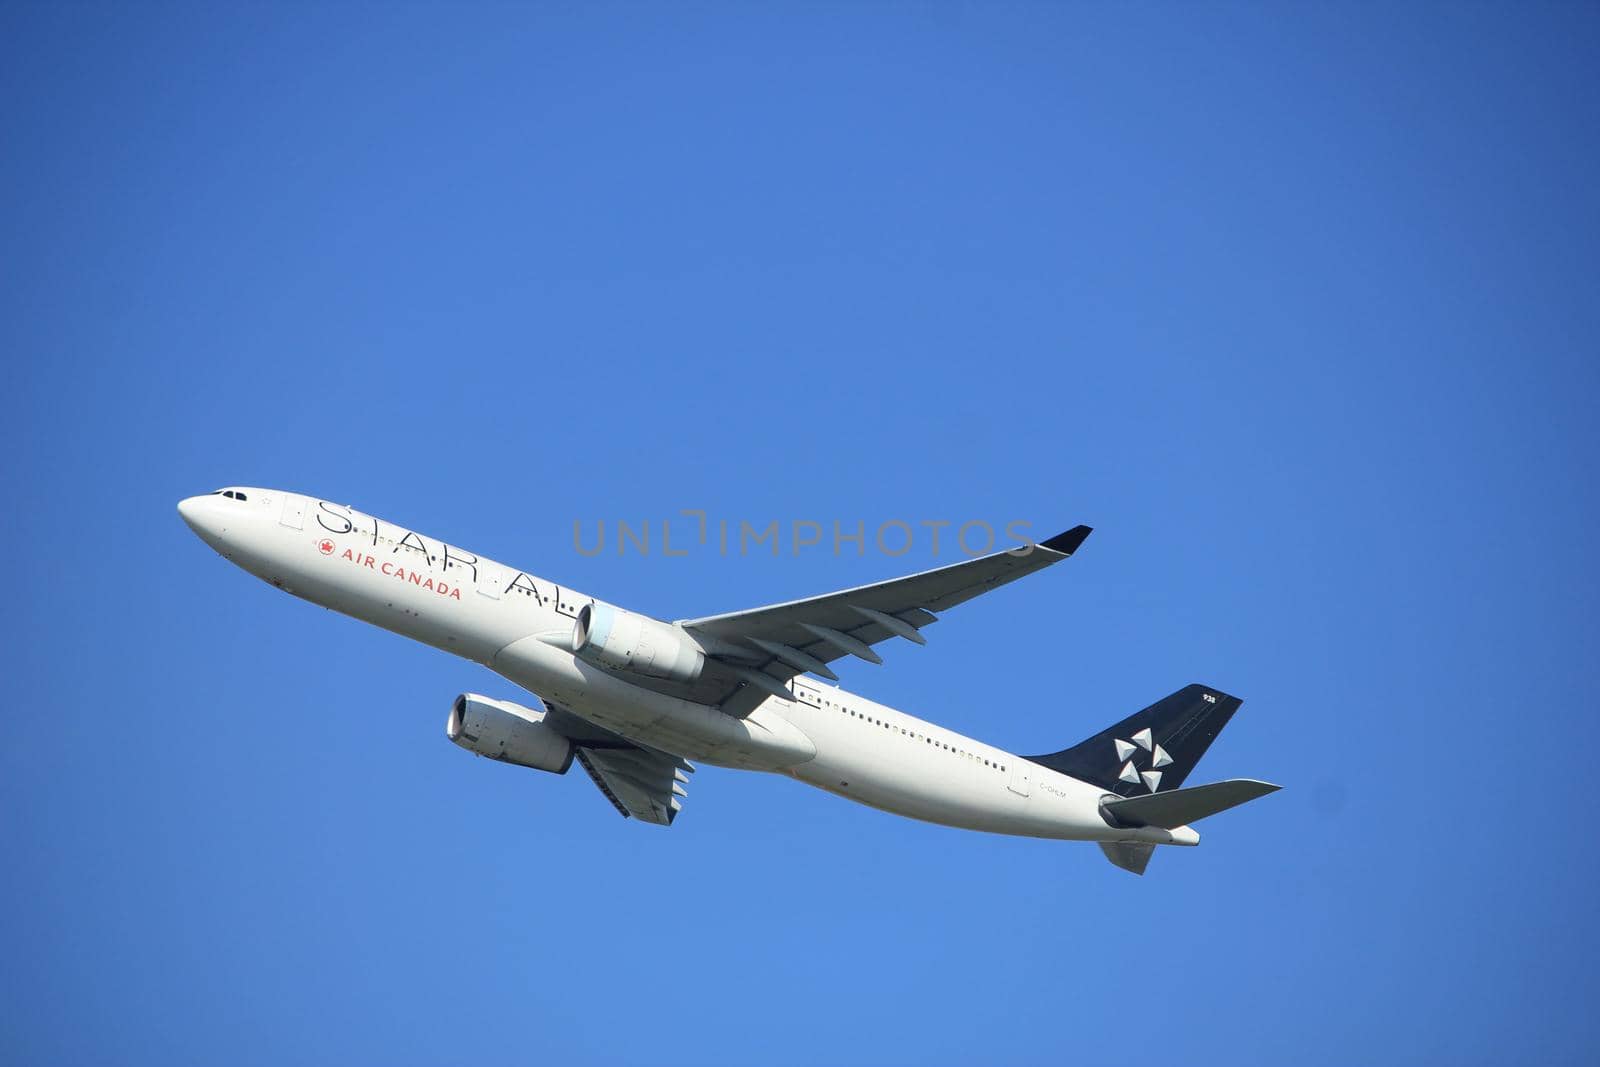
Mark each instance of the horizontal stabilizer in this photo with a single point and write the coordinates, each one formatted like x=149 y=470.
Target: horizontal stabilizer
x=1128 y=856
x=1180 y=807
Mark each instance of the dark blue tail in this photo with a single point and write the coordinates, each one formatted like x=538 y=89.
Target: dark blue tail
x=1151 y=751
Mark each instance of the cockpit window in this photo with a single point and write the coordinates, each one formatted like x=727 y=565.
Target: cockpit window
x=231 y=494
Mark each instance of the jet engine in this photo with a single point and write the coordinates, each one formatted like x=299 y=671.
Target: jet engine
x=623 y=641
x=507 y=732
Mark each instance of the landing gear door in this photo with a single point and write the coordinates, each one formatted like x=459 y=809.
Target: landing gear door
x=294 y=512
x=1019 y=777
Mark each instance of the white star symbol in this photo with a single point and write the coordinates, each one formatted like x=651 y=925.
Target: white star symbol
x=1128 y=751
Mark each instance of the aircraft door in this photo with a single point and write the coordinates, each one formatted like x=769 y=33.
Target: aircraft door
x=1019 y=776
x=294 y=512
x=491 y=580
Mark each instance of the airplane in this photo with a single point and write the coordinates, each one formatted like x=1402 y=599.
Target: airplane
x=637 y=701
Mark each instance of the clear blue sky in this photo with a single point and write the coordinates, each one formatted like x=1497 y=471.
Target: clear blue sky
x=1298 y=306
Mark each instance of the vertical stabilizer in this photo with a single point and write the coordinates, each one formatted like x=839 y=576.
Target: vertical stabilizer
x=1130 y=857
x=1151 y=751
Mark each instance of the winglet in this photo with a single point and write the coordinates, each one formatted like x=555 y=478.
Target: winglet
x=1067 y=543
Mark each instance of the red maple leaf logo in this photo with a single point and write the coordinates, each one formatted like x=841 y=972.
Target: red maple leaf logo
x=325 y=547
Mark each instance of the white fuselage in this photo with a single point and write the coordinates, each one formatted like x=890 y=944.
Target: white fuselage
x=519 y=626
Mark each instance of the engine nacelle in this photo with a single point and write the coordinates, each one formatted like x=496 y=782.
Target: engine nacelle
x=507 y=732
x=624 y=641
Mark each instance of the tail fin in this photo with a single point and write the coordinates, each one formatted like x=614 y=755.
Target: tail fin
x=1153 y=750
x=1128 y=856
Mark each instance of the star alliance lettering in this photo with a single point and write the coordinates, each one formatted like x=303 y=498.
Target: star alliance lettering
x=344 y=521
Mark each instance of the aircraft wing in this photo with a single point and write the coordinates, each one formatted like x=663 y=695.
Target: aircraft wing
x=752 y=654
x=641 y=783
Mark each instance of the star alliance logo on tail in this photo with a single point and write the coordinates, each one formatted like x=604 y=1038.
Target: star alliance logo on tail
x=1128 y=752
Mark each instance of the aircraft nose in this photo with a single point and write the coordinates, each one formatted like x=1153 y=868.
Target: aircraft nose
x=200 y=513
x=189 y=510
